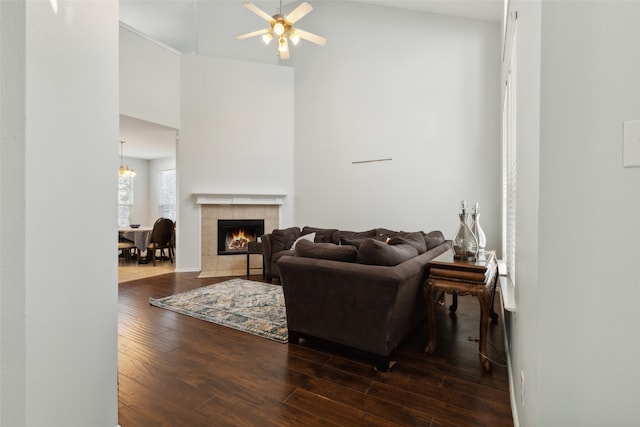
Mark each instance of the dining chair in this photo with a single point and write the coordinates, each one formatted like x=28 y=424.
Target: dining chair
x=161 y=238
x=127 y=248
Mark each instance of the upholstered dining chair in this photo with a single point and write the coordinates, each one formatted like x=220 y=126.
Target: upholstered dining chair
x=127 y=248
x=161 y=238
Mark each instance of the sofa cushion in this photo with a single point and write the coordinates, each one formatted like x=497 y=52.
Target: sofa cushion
x=385 y=232
x=375 y=252
x=310 y=237
x=323 y=235
x=433 y=239
x=340 y=234
x=415 y=239
x=329 y=251
x=278 y=255
x=282 y=240
x=357 y=241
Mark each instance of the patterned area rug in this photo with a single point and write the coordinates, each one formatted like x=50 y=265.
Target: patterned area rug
x=253 y=307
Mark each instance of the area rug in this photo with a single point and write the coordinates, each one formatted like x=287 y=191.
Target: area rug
x=245 y=305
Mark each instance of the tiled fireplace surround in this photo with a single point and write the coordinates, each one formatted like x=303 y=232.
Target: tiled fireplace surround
x=214 y=208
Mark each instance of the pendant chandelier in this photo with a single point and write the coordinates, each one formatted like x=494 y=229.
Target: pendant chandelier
x=124 y=169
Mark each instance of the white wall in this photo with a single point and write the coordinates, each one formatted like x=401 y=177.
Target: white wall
x=576 y=330
x=13 y=326
x=149 y=79
x=59 y=312
x=419 y=88
x=236 y=137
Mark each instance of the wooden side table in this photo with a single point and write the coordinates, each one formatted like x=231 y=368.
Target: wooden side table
x=254 y=248
x=477 y=278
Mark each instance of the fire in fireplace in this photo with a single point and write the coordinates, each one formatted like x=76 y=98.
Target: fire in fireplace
x=234 y=235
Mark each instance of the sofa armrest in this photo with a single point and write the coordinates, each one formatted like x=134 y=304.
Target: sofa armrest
x=266 y=253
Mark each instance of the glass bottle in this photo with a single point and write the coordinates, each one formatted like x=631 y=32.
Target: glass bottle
x=476 y=229
x=465 y=244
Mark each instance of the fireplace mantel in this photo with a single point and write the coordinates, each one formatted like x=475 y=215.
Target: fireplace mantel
x=238 y=199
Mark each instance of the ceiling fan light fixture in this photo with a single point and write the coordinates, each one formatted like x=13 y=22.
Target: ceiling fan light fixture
x=295 y=39
x=281 y=28
x=283 y=46
x=278 y=28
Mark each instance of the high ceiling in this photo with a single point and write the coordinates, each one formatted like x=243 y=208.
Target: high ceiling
x=145 y=140
x=173 y=22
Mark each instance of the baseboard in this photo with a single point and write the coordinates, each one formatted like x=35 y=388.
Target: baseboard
x=512 y=392
x=187 y=270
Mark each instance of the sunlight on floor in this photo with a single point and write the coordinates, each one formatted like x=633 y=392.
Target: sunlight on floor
x=131 y=270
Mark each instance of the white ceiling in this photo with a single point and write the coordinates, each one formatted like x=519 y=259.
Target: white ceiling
x=173 y=22
x=145 y=140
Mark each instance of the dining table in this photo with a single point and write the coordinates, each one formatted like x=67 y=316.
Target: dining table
x=139 y=236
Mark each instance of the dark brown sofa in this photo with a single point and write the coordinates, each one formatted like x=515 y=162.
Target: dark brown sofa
x=354 y=289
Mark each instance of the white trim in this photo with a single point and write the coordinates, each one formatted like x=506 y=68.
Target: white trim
x=508 y=293
x=512 y=393
x=146 y=37
x=187 y=270
x=238 y=199
x=507 y=290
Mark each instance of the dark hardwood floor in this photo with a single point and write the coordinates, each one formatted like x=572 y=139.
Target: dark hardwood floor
x=175 y=370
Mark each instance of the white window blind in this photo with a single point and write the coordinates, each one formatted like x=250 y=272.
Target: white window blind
x=168 y=194
x=125 y=200
x=509 y=168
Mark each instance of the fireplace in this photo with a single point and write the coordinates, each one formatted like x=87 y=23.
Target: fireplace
x=234 y=235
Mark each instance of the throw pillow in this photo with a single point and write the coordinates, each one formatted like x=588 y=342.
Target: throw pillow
x=385 y=232
x=328 y=251
x=357 y=241
x=415 y=239
x=433 y=239
x=282 y=239
x=323 y=235
x=310 y=237
x=375 y=252
x=352 y=235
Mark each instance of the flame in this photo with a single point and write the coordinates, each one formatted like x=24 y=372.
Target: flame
x=239 y=240
x=240 y=235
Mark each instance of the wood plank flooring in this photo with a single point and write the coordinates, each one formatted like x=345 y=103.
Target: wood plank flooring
x=175 y=370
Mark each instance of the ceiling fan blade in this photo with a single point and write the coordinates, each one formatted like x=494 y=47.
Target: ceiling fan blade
x=299 y=12
x=261 y=13
x=310 y=37
x=252 y=34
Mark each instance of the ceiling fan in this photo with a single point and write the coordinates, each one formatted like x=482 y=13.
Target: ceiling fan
x=281 y=28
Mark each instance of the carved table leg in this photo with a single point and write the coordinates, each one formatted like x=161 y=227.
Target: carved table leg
x=493 y=314
x=484 y=298
x=431 y=317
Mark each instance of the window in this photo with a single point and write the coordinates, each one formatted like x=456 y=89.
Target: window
x=509 y=166
x=125 y=200
x=168 y=194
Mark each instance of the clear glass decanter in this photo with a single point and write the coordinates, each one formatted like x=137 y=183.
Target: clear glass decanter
x=465 y=244
x=476 y=229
